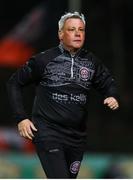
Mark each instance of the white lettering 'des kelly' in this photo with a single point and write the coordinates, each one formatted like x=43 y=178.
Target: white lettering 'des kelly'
x=81 y=98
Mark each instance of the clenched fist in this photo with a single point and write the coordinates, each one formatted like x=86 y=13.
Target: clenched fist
x=111 y=102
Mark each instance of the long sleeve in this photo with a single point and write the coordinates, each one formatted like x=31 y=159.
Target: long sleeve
x=104 y=82
x=27 y=74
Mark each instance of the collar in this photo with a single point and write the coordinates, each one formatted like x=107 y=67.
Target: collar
x=81 y=51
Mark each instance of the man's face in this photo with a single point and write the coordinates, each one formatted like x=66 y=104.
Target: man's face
x=73 y=34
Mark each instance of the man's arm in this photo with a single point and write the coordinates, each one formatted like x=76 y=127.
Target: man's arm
x=106 y=85
x=24 y=76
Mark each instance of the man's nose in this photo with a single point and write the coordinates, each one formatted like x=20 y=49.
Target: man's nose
x=77 y=33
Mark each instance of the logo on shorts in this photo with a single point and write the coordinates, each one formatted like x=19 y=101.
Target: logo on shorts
x=74 y=167
x=84 y=73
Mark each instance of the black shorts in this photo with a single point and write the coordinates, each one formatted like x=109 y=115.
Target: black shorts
x=59 y=160
x=60 y=149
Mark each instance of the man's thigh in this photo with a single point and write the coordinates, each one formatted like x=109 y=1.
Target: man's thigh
x=74 y=156
x=53 y=159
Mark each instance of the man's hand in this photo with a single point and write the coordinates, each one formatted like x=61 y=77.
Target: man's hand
x=25 y=128
x=111 y=102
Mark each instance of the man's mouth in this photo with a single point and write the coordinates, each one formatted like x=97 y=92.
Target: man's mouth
x=77 y=40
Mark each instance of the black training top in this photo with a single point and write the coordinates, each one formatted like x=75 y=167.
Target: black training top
x=63 y=82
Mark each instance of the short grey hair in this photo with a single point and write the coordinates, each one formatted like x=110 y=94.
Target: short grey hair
x=68 y=16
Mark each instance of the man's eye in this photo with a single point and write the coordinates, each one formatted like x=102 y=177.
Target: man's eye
x=71 y=29
x=82 y=30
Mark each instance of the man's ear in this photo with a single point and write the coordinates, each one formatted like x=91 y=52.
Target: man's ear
x=60 y=35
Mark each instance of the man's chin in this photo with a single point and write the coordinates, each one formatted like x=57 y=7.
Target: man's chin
x=78 y=45
x=77 y=48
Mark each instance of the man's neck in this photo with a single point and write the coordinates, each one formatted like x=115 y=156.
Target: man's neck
x=72 y=51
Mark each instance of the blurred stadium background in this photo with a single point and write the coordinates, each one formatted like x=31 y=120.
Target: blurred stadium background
x=28 y=27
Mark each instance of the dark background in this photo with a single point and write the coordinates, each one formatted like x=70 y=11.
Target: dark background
x=108 y=36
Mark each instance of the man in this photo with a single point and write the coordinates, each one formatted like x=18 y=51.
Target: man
x=63 y=76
